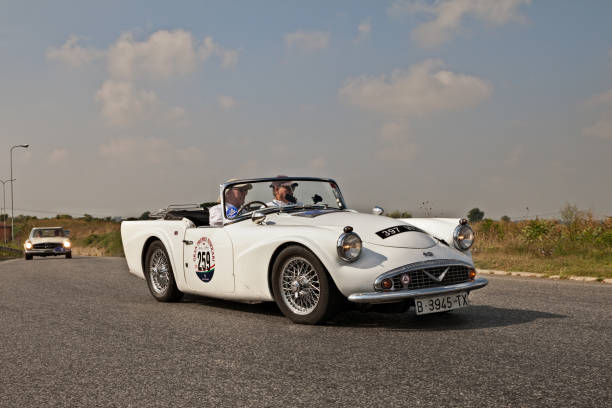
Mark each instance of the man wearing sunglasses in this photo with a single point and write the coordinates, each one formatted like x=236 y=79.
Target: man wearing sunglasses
x=234 y=198
x=283 y=193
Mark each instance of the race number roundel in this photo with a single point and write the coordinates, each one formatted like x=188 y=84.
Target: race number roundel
x=204 y=259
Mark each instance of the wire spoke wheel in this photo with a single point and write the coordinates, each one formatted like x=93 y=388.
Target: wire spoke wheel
x=300 y=286
x=159 y=272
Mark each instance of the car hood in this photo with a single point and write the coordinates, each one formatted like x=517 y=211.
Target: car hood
x=49 y=239
x=365 y=225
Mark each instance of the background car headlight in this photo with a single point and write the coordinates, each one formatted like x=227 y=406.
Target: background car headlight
x=28 y=245
x=463 y=237
x=349 y=246
x=66 y=244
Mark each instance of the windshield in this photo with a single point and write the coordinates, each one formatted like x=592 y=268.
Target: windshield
x=47 y=233
x=280 y=194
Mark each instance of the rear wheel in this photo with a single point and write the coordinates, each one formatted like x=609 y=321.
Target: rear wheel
x=158 y=272
x=302 y=289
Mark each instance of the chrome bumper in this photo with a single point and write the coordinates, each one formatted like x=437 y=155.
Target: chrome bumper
x=388 y=297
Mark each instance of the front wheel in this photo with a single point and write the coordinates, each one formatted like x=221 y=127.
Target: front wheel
x=28 y=257
x=158 y=272
x=69 y=255
x=302 y=289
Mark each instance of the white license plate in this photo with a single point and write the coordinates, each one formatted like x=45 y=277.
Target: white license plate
x=442 y=303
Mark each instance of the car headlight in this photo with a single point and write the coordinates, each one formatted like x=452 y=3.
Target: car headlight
x=349 y=246
x=66 y=244
x=463 y=237
x=28 y=245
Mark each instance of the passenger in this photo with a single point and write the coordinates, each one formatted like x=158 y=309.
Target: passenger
x=234 y=198
x=283 y=193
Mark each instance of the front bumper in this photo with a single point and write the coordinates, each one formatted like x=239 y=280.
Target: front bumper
x=398 y=296
x=47 y=252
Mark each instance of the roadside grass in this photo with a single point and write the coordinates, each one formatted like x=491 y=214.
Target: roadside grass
x=8 y=254
x=580 y=246
x=109 y=243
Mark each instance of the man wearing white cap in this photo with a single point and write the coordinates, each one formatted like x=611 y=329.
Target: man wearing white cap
x=234 y=198
x=283 y=192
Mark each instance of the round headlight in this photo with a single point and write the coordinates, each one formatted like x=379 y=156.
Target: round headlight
x=28 y=245
x=66 y=244
x=463 y=237
x=349 y=246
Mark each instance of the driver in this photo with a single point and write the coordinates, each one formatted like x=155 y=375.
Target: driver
x=283 y=193
x=234 y=198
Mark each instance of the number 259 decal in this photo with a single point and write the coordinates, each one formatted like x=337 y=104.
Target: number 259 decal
x=204 y=259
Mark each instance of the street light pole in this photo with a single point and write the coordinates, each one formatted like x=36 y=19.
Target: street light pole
x=25 y=146
x=4 y=215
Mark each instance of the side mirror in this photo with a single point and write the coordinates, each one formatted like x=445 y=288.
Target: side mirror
x=258 y=217
x=66 y=233
x=377 y=210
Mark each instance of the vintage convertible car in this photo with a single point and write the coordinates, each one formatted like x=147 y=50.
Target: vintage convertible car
x=48 y=241
x=295 y=242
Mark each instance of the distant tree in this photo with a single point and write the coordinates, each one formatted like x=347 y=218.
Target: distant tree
x=400 y=214
x=145 y=215
x=208 y=204
x=475 y=215
x=131 y=219
x=63 y=216
x=87 y=217
x=505 y=218
x=570 y=214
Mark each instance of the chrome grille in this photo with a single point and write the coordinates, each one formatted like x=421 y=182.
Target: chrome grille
x=47 y=245
x=418 y=278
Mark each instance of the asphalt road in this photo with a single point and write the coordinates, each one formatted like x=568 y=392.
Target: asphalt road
x=84 y=332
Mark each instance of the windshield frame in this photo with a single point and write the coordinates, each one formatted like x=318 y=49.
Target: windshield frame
x=269 y=210
x=36 y=229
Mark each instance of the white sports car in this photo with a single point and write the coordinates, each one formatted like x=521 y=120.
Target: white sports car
x=295 y=242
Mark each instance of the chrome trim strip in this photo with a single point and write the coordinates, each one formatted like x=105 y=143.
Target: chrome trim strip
x=388 y=297
x=420 y=265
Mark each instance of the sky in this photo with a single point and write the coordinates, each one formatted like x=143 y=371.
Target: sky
x=433 y=107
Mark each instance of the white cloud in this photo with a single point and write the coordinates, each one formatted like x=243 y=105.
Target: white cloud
x=318 y=163
x=226 y=102
x=419 y=91
x=148 y=149
x=122 y=103
x=514 y=156
x=602 y=129
x=163 y=55
x=57 y=156
x=449 y=14
x=602 y=98
x=396 y=143
x=73 y=54
x=364 y=30
x=208 y=48
x=307 y=41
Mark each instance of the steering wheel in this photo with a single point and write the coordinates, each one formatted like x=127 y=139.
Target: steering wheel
x=247 y=205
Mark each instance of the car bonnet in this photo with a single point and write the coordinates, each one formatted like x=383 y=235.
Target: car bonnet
x=372 y=229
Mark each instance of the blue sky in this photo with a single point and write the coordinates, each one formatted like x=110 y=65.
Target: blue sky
x=461 y=103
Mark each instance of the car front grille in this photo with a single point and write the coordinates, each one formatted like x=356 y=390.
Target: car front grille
x=419 y=279
x=47 y=245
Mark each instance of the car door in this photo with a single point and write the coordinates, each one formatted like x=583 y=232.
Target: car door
x=208 y=260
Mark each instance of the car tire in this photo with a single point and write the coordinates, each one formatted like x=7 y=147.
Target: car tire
x=28 y=257
x=159 y=275
x=69 y=256
x=302 y=289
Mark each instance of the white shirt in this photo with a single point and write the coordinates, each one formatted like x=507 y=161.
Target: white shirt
x=215 y=215
x=278 y=203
